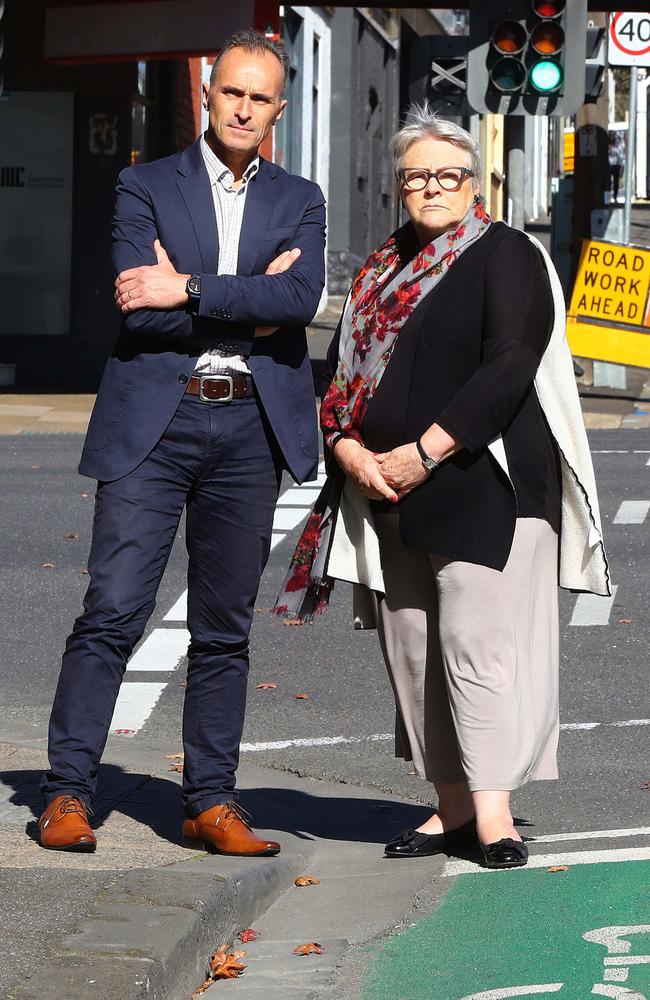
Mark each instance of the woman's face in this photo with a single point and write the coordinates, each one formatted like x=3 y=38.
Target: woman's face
x=434 y=210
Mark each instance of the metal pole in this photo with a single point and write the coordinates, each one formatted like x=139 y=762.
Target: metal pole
x=629 y=156
x=516 y=168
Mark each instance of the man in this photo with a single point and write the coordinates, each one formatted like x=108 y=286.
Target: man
x=199 y=409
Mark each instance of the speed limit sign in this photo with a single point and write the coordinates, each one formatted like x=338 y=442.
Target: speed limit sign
x=629 y=39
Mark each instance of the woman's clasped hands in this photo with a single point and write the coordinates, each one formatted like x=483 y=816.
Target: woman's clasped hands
x=389 y=475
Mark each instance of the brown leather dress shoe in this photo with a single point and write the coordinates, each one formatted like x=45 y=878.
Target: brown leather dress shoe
x=225 y=829
x=64 y=826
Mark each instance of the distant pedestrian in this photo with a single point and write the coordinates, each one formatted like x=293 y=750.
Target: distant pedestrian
x=453 y=417
x=616 y=157
x=199 y=408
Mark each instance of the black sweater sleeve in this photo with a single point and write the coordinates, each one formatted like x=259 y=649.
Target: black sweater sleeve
x=517 y=322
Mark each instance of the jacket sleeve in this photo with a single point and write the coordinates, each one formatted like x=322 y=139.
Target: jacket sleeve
x=517 y=323
x=134 y=232
x=289 y=299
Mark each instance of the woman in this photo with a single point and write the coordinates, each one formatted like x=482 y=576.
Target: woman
x=454 y=417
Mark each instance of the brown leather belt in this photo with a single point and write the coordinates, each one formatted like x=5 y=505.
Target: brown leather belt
x=220 y=388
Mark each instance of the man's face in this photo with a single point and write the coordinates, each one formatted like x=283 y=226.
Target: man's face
x=244 y=99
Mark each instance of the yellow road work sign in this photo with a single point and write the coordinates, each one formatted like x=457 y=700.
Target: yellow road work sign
x=609 y=315
x=569 y=148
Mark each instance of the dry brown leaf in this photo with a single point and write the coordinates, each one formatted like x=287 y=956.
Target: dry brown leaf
x=48 y=565
x=311 y=948
x=626 y=621
x=292 y=622
x=646 y=786
x=248 y=934
x=266 y=686
x=175 y=756
x=558 y=868
x=202 y=988
x=302 y=696
x=225 y=964
x=177 y=767
x=307 y=880
x=73 y=534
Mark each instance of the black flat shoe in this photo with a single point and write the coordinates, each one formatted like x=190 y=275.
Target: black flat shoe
x=411 y=844
x=506 y=853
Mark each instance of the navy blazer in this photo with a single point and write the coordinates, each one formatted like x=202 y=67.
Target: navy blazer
x=146 y=376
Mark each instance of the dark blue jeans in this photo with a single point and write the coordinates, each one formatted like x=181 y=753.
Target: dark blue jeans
x=221 y=462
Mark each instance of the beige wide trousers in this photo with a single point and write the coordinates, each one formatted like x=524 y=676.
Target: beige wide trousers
x=473 y=657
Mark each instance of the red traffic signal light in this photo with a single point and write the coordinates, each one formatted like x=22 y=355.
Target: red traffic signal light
x=548 y=8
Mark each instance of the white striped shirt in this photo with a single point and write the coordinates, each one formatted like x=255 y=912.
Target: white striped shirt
x=229 y=205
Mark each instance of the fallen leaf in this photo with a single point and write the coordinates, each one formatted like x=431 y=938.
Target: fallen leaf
x=124 y=732
x=292 y=622
x=177 y=767
x=85 y=572
x=84 y=494
x=646 y=786
x=312 y=948
x=73 y=534
x=558 y=868
x=307 y=880
x=225 y=964
x=302 y=696
x=626 y=621
x=35 y=466
x=266 y=686
x=248 y=935
x=48 y=565
x=175 y=756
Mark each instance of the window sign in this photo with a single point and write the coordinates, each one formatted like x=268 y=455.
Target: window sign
x=35 y=213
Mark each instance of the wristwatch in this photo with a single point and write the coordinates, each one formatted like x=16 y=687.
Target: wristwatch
x=429 y=463
x=193 y=290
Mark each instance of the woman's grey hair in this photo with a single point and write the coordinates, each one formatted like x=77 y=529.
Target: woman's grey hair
x=421 y=122
x=254 y=41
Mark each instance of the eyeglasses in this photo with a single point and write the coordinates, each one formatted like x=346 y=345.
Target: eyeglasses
x=449 y=178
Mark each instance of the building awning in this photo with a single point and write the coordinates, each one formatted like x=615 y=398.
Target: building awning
x=141 y=29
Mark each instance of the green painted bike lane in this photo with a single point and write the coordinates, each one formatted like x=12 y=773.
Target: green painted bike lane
x=527 y=932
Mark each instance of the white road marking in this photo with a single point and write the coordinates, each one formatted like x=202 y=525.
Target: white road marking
x=516 y=991
x=593 y=610
x=632 y=512
x=299 y=495
x=134 y=705
x=178 y=611
x=556 y=838
x=458 y=866
x=288 y=518
x=621 y=451
x=162 y=650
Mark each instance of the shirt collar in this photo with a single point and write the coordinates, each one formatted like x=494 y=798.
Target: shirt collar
x=219 y=173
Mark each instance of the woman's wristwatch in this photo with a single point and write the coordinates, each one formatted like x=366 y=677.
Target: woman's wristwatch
x=429 y=463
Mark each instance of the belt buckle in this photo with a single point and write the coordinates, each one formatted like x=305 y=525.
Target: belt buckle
x=223 y=378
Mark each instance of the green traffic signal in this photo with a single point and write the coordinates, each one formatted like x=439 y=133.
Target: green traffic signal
x=546 y=76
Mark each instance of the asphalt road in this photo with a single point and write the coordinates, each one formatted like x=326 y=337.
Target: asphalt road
x=604 y=667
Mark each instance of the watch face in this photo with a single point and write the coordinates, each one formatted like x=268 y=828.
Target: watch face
x=194 y=285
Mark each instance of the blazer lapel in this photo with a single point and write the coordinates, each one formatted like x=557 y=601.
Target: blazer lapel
x=257 y=215
x=194 y=185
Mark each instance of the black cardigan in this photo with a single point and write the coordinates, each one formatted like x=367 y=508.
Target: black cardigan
x=466 y=359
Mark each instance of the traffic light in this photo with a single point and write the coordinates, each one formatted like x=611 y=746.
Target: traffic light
x=596 y=63
x=527 y=57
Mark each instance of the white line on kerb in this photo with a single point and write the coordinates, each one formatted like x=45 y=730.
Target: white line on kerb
x=330 y=741
x=556 y=838
x=632 y=512
x=593 y=610
x=458 y=866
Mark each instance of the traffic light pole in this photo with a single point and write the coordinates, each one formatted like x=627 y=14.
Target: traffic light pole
x=630 y=158
x=516 y=169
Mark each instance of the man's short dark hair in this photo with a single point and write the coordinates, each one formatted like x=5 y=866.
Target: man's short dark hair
x=254 y=41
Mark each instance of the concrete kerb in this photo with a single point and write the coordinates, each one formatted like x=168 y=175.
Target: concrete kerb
x=151 y=935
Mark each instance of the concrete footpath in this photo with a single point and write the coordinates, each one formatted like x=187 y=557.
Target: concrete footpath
x=141 y=917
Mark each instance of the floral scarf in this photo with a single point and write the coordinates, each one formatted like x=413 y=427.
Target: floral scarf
x=382 y=298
